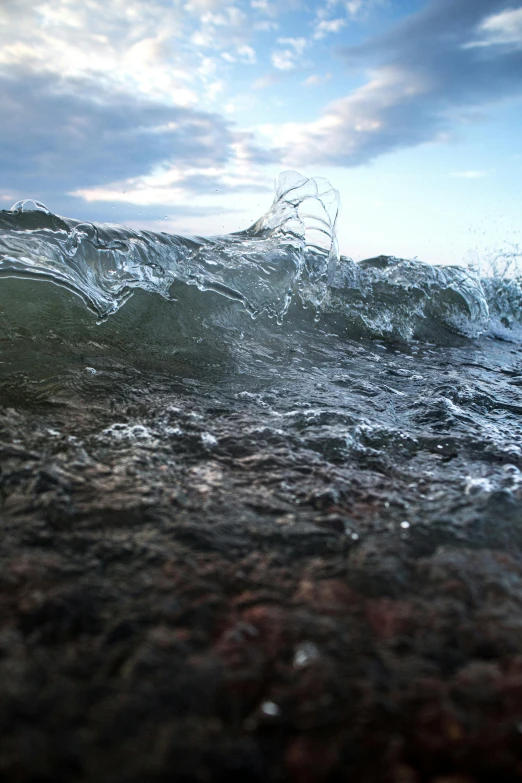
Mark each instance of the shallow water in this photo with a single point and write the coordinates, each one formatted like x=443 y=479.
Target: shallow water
x=389 y=365
x=295 y=486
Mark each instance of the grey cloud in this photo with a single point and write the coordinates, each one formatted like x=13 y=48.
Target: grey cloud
x=433 y=43
x=81 y=137
x=254 y=152
x=423 y=81
x=56 y=138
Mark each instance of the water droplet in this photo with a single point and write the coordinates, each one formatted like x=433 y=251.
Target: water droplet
x=270 y=708
x=305 y=653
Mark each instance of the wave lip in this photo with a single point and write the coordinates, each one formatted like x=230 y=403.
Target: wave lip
x=395 y=297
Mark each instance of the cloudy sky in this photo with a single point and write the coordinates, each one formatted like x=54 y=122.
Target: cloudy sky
x=176 y=115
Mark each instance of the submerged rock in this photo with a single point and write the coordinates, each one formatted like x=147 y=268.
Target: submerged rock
x=207 y=575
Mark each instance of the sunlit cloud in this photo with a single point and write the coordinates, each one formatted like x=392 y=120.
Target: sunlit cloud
x=502 y=29
x=326 y=27
x=289 y=56
x=143 y=46
x=420 y=81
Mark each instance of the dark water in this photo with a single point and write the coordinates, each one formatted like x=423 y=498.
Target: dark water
x=387 y=364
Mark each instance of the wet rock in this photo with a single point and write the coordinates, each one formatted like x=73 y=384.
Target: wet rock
x=196 y=586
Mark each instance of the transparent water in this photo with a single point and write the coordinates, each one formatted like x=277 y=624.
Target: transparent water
x=387 y=365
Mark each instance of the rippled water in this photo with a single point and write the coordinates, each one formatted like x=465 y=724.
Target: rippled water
x=387 y=364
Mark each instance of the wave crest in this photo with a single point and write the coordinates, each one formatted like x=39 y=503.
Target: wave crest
x=289 y=254
x=104 y=263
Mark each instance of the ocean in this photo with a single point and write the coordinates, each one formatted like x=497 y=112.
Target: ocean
x=260 y=506
x=387 y=359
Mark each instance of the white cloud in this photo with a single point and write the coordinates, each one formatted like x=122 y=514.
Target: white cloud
x=328 y=26
x=333 y=15
x=196 y=6
x=315 y=79
x=354 y=6
x=283 y=60
x=297 y=44
x=243 y=54
x=263 y=5
x=350 y=124
x=140 y=46
x=363 y=7
x=504 y=28
x=246 y=54
x=265 y=26
x=214 y=89
x=288 y=58
x=132 y=45
x=276 y=7
x=178 y=184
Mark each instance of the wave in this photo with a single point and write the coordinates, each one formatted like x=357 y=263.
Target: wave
x=288 y=259
x=104 y=263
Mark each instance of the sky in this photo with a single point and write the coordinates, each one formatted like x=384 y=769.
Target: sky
x=178 y=115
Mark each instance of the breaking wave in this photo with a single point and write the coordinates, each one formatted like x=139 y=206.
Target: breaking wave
x=287 y=259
